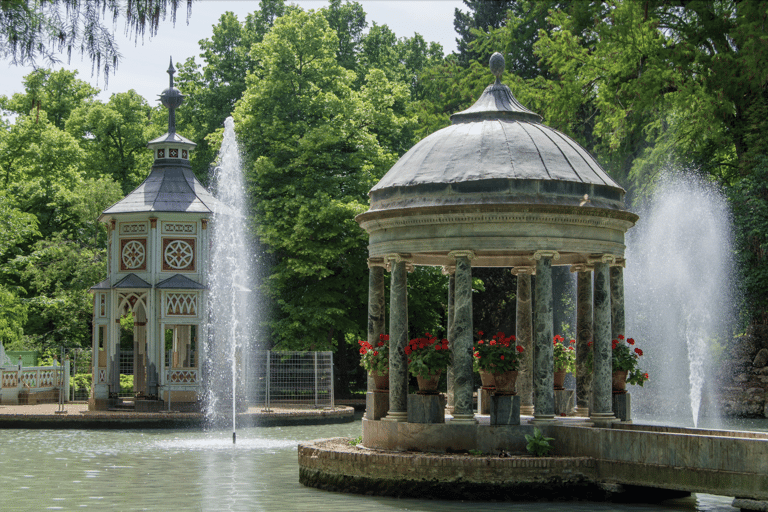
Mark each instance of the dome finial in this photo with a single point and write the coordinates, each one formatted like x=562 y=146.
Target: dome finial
x=497 y=66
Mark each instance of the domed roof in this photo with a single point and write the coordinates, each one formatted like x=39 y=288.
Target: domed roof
x=496 y=152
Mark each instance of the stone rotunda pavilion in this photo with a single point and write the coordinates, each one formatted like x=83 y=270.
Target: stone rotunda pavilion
x=498 y=188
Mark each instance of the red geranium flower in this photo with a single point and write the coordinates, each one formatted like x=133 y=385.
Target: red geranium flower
x=638 y=351
x=520 y=348
x=502 y=357
x=621 y=337
x=631 y=341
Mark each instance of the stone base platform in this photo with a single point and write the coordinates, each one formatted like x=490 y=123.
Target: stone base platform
x=334 y=465
x=622 y=461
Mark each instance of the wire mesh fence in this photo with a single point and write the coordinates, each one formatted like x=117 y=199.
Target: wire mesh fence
x=291 y=379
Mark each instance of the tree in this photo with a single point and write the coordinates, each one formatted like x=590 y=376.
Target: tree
x=55 y=93
x=114 y=136
x=314 y=154
x=41 y=29
x=483 y=15
x=213 y=88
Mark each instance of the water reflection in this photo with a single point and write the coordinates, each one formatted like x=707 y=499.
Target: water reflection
x=203 y=471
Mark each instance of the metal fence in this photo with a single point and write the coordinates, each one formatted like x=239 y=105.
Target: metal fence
x=295 y=379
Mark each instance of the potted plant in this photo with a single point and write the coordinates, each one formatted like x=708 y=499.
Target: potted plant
x=427 y=358
x=626 y=369
x=376 y=360
x=499 y=356
x=565 y=359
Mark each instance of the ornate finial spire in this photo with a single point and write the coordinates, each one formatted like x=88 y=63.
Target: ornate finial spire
x=171 y=98
x=497 y=66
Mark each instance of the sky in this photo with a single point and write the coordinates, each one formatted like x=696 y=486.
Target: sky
x=143 y=66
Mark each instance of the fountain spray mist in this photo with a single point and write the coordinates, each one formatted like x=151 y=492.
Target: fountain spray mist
x=679 y=287
x=232 y=306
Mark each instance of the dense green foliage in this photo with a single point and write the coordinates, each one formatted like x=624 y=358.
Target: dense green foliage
x=325 y=102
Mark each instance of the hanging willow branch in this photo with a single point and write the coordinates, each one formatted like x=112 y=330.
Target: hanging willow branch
x=35 y=30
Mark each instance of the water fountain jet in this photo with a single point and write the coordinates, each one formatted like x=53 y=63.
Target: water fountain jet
x=231 y=309
x=679 y=298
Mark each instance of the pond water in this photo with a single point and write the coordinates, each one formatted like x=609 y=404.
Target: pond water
x=194 y=470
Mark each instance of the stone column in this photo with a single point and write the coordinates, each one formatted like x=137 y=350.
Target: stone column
x=376 y=311
x=583 y=337
x=450 y=271
x=398 y=339
x=602 y=406
x=524 y=336
x=462 y=343
x=544 y=363
x=617 y=299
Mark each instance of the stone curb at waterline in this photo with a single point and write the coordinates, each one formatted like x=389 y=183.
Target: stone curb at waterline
x=78 y=417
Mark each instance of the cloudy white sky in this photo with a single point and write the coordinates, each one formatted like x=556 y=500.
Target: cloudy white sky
x=143 y=65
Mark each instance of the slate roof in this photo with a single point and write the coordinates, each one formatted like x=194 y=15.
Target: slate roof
x=132 y=281
x=180 y=282
x=170 y=187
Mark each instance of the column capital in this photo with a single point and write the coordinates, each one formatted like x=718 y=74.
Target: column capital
x=449 y=270
x=516 y=271
x=398 y=258
x=546 y=254
x=582 y=267
x=376 y=262
x=462 y=254
x=602 y=258
x=619 y=262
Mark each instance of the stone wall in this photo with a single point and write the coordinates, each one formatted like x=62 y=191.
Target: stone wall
x=744 y=378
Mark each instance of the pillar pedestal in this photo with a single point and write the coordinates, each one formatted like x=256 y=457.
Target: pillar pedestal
x=505 y=409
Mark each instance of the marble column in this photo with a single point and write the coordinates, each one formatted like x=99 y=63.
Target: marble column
x=583 y=337
x=450 y=271
x=617 y=299
x=375 y=304
x=524 y=336
x=462 y=344
x=398 y=339
x=543 y=363
x=602 y=406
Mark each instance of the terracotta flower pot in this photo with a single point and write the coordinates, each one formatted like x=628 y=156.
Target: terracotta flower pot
x=560 y=379
x=620 y=381
x=505 y=382
x=428 y=385
x=380 y=380
x=486 y=378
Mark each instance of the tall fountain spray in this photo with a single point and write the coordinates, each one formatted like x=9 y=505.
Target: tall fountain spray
x=232 y=304
x=679 y=303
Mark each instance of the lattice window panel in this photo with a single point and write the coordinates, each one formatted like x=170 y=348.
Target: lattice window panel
x=181 y=304
x=184 y=228
x=179 y=254
x=182 y=376
x=133 y=254
x=133 y=228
